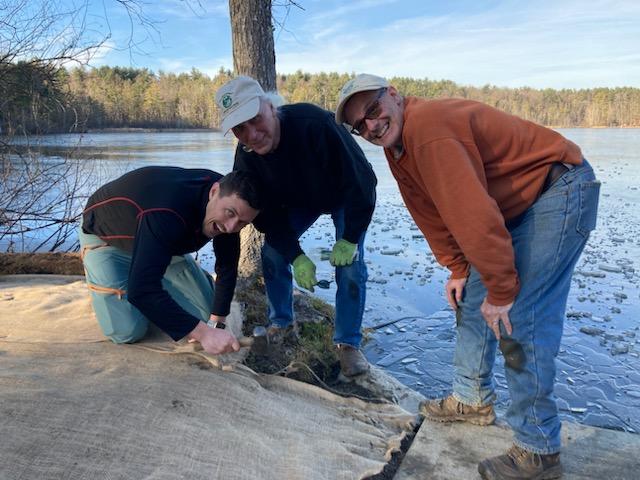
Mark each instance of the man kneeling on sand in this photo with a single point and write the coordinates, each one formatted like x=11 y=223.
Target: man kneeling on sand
x=136 y=236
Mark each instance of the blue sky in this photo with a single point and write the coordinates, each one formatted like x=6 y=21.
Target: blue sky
x=537 y=43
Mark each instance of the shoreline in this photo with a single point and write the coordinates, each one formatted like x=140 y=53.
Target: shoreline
x=217 y=130
x=149 y=130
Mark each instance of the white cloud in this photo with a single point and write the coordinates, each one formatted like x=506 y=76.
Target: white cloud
x=98 y=55
x=172 y=65
x=541 y=45
x=545 y=43
x=213 y=66
x=351 y=8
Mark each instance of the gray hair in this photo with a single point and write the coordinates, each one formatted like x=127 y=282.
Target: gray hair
x=274 y=98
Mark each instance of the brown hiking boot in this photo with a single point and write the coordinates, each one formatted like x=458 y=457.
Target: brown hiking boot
x=279 y=335
x=519 y=463
x=449 y=409
x=352 y=361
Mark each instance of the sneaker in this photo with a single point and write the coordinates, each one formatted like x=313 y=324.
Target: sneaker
x=449 y=409
x=521 y=463
x=278 y=335
x=352 y=361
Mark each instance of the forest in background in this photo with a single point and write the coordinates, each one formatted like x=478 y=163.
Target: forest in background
x=36 y=98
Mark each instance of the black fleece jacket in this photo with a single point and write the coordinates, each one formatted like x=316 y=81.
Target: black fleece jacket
x=317 y=166
x=155 y=213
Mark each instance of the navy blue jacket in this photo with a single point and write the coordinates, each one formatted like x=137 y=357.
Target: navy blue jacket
x=155 y=213
x=317 y=166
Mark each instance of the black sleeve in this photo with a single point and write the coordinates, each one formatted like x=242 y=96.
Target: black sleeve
x=358 y=181
x=273 y=220
x=227 y=250
x=274 y=223
x=150 y=258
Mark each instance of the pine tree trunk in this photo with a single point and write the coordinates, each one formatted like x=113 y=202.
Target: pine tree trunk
x=252 y=37
x=253 y=55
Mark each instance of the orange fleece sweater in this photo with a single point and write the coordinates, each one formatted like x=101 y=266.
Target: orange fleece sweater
x=465 y=170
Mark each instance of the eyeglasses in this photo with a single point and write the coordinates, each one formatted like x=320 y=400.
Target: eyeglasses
x=372 y=112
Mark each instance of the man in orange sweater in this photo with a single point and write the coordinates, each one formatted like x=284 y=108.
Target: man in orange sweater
x=507 y=206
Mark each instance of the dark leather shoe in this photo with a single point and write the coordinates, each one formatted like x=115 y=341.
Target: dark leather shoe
x=278 y=335
x=352 y=361
x=519 y=463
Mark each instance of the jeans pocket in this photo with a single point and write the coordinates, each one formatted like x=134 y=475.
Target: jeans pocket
x=589 y=195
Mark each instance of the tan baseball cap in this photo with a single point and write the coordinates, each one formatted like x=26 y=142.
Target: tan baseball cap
x=360 y=83
x=238 y=101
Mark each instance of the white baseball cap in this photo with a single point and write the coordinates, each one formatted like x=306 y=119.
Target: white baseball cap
x=238 y=101
x=360 y=83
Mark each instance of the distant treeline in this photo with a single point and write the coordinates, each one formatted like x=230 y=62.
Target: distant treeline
x=37 y=98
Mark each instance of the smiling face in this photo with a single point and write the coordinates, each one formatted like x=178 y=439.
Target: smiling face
x=226 y=214
x=262 y=132
x=385 y=129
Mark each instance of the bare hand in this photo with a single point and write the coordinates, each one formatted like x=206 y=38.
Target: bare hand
x=494 y=314
x=214 y=340
x=453 y=290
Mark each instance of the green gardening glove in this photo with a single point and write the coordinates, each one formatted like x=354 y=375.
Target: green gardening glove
x=304 y=271
x=343 y=253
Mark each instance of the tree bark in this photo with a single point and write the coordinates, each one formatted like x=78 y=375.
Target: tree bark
x=253 y=55
x=252 y=38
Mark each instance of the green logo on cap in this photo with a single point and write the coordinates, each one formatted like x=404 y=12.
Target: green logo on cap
x=226 y=100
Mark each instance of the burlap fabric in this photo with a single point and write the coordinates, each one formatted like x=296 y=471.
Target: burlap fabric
x=73 y=406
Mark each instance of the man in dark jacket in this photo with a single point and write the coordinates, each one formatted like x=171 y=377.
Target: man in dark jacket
x=310 y=166
x=136 y=236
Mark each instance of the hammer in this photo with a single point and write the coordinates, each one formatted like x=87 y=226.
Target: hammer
x=258 y=341
x=513 y=353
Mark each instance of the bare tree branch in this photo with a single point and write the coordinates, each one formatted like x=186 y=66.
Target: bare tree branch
x=42 y=195
x=280 y=19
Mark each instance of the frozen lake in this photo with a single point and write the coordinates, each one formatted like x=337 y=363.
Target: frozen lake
x=599 y=363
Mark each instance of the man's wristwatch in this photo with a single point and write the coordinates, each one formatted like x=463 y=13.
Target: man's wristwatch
x=217 y=324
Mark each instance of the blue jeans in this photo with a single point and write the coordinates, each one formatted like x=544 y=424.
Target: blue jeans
x=351 y=282
x=107 y=275
x=547 y=240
